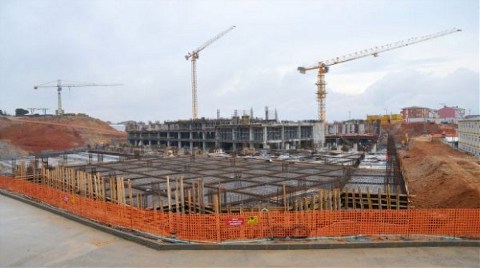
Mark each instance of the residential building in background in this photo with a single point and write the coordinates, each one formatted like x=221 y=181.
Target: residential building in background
x=449 y=115
x=469 y=135
x=418 y=114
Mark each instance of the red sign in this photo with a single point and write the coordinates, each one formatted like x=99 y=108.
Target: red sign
x=235 y=221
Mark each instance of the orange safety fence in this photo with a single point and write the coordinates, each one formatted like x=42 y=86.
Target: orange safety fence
x=258 y=225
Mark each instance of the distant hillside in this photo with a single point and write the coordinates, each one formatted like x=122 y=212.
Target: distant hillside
x=20 y=135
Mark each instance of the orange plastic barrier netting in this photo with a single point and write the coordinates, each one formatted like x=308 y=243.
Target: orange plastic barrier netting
x=259 y=225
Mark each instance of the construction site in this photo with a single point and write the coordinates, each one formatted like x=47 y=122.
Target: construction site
x=245 y=178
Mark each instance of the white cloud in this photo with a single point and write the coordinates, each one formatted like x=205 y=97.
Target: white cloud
x=142 y=43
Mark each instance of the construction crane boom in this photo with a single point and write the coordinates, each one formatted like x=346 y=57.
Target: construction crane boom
x=323 y=66
x=193 y=56
x=62 y=83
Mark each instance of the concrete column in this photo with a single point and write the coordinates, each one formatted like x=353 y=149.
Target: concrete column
x=282 y=135
x=264 y=137
x=250 y=135
x=374 y=148
x=217 y=137
x=191 y=142
x=179 y=136
x=318 y=133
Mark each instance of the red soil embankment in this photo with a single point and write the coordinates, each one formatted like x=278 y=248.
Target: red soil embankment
x=440 y=177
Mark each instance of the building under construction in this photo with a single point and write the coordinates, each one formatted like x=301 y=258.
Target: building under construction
x=234 y=134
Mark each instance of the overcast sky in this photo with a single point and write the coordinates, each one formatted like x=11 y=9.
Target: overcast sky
x=142 y=45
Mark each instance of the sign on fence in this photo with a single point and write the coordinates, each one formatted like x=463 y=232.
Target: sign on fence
x=235 y=221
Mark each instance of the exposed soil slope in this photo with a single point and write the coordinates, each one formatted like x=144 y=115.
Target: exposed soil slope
x=419 y=128
x=36 y=134
x=440 y=177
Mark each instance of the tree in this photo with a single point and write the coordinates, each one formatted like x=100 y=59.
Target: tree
x=20 y=112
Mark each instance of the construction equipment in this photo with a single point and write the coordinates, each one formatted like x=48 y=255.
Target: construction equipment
x=323 y=66
x=193 y=56
x=62 y=83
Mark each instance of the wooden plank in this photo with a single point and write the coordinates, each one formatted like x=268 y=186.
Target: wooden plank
x=169 y=195
x=354 y=201
x=388 y=197
x=182 y=195
x=130 y=192
x=379 y=199
x=320 y=199
x=177 y=205
x=161 y=204
x=369 y=199
x=194 y=200
x=360 y=195
x=201 y=202
x=189 y=201
x=398 y=196
x=335 y=199
x=215 y=203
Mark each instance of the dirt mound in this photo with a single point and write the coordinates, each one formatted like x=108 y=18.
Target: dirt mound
x=419 y=128
x=36 y=134
x=440 y=177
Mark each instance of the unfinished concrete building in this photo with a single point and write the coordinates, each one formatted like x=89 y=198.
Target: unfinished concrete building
x=231 y=134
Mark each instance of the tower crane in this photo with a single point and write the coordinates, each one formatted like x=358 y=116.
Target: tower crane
x=62 y=83
x=193 y=56
x=323 y=66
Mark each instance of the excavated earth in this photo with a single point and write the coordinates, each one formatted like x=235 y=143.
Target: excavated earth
x=23 y=135
x=438 y=176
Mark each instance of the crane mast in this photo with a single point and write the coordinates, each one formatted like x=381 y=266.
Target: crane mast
x=193 y=56
x=323 y=66
x=61 y=83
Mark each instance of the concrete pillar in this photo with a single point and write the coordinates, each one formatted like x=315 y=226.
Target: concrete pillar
x=179 y=136
x=374 y=148
x=191 y=142
x=251 y=140
x=264 y=137
x=318 y=133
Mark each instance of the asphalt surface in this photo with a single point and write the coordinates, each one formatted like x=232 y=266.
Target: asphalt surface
x=30 y=236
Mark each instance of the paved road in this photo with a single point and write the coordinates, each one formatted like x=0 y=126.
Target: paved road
x=33 y=237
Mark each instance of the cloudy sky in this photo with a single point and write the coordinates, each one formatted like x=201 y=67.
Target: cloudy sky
x=142 y=44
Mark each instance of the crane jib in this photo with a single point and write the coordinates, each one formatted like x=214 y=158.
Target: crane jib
x=322 y=66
